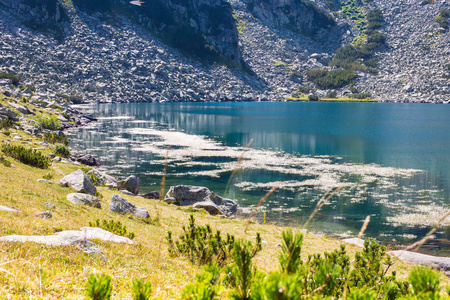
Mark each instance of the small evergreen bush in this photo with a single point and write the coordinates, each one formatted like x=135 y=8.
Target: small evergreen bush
x=6 y=123
x=27 y=156
x=5 y=162
x=99 y=287
x=361 y=95
x=54 y=138
x=333 y=79
x=50 y=122
x=48 y=176
x=62 y=150
x=313 y=98
x=202 y=246
x=141 y=290
x=114 y=227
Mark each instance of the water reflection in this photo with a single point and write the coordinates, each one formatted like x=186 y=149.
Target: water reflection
x=382 y=154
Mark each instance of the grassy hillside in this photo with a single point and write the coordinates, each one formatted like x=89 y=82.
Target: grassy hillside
x=37 y=271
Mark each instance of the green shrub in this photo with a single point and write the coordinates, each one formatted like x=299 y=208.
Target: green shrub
x=54 y=138
x=7 y=133
x=202 y=246
x=333 y=79
x=48 y=122
x=313 y=98
x=331 y=94
x=5 y=162
x=141 y=290
x=66 y=115
x=304 y=89
x=441 y=19
x=62 y=150
x=99 y=287
x=6 y=123
x=290 y=251
x=207 y=284
x=48 y=176
x=361 y=95
x=114 y=227
x=353 y=90
x=27 y=156
x=241 y=272
x=425 y=282
x=427 y=2
x=374 y=18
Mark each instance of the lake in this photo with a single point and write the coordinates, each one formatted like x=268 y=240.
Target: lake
x=393 y=159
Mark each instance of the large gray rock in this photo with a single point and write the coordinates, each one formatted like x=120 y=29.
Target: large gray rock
x=441 y=263
x=78 y=238
x=122 y=206
x=130 y=184
x=80 y=182
x=84 y=199
x=8 y=113
x=23 y=109
x=201 y=197
x=87 y=160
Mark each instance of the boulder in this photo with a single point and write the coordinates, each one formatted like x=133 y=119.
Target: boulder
x=151 y=195
x=8 y=113
x=22 y=109
x=87 y=160
x=201 y=197
x=440 y=263
x=84 y=199
x=130 y=184
x=103 y=178
x=80 y=182
x=122 y=206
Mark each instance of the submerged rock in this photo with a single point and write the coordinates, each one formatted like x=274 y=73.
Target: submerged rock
x=201 y=197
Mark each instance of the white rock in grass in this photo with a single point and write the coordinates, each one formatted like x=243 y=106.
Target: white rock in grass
x=5 y=208
x=440 y=263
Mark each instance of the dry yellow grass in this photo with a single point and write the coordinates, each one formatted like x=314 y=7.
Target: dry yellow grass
x=35 y=271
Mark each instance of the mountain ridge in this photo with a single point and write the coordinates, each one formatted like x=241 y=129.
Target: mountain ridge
x=112 y=58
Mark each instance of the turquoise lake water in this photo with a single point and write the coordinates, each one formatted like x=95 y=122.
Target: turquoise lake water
x=393 y=159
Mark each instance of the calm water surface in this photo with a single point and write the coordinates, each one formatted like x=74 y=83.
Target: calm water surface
x=394 y=159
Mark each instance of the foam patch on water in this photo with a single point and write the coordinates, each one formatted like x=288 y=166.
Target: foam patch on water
x=325 y=172
x=422 y=215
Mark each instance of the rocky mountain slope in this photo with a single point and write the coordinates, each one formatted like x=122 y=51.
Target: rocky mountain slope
x=121 y=55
